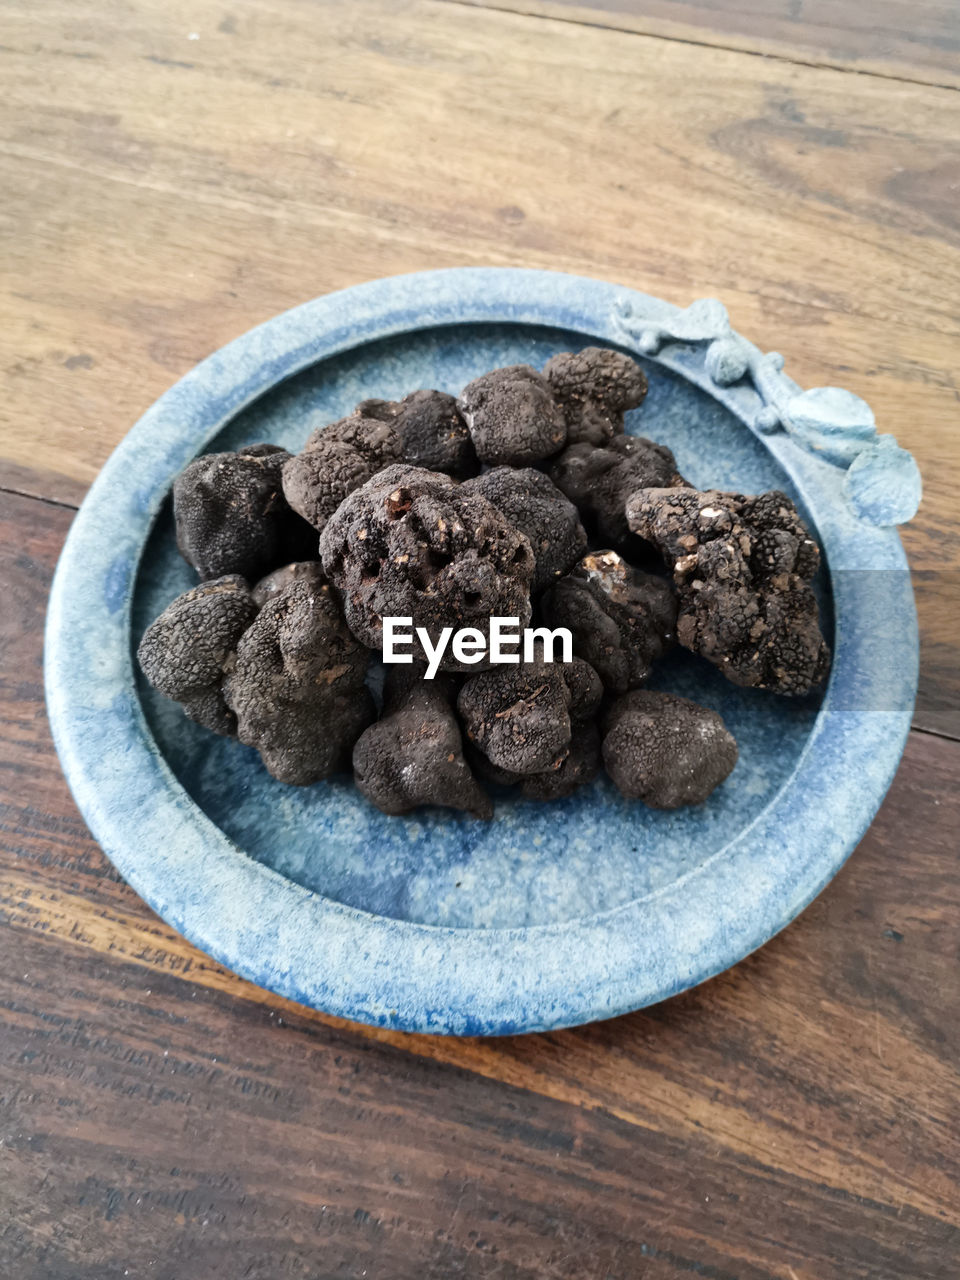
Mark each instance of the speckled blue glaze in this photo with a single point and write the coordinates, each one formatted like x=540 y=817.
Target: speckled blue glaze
x=551 y=915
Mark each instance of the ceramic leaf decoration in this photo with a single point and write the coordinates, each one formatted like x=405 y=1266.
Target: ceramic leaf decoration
x=883 y=483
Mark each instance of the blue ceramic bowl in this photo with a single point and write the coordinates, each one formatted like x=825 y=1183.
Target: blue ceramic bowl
x=551 y=915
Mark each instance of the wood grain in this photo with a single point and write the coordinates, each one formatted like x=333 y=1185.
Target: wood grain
x=893 y=38
x=795 y=1118
x=164 y=193
x=160 y=1115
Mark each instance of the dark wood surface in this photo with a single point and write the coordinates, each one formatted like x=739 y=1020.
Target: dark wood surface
x=795 y=1118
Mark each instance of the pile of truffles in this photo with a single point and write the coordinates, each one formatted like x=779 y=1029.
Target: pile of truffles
x=523 y=498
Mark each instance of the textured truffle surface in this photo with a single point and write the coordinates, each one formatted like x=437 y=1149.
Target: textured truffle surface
x=413 y=755
x=231 y=515
x=431 y=431
x=512 y=416
x=594 y=388
x=580 y=763
x=533 y=504
x=580 y=766
x=336 y=460
x=518 y=716
x=664 y=750
x=598 y=481
x=186 y=652
x=297 y=687
x=622 y=620
x=742 y=567
x=414 y=544
x=277 y=581
x=521 y=717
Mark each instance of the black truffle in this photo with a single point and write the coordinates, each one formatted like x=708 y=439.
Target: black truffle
x=580 y=764
x=336 y=460
x=534 y=505
x=664 y=750
x=598 y=481
x=413 y=755
x=431 y=431
x=586 y=689
x=186 y=652
x=231 y=515
x=512 y=416
x=415 y=544
x=280 y=579
x=521 y=717
x=742 y=568
x=594 y=388
x=297 y=687
x=622 y=620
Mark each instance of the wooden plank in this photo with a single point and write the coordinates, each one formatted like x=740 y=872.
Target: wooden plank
x=163 y=1129
x=157 y=1109
x=163 y=194
x=919 y=42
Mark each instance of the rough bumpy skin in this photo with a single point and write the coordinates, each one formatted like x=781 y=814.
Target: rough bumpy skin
x=519 y=717
x=742 y=567
x=372 y=437
x=413 y=755
x=280 y=579
x=415 y=544
x=581 y=763
x=231 y=516
x=599 y=481
x=297 y=687
x=586 y=689
x=533 y=504
x=512 y=417
x=431 y=431
x=186 y=652
x=336 y=460
x=594 y=388
x=621 y=620
x=664 y=750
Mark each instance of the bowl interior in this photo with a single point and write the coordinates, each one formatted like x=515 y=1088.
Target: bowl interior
x=533 y=864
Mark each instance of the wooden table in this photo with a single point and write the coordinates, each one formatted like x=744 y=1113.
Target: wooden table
x=175 y=173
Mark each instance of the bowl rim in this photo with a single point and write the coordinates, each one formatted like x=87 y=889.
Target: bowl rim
x=431 y=978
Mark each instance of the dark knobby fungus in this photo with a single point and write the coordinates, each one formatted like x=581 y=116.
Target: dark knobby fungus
x=415 y=544
x=621 y=620
x=598 y=481
x=432 y=433
x=231 y=515
x=280 y=579
x=581 y=762
x=297 y=687
x=512 y=416
x=521 y=717
x=186 y=652
x=742 y=567
x=594 y=388
x=336 y=460
x=533 y=504
x=664 y=750
x=580 y=766
x=413 y=755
